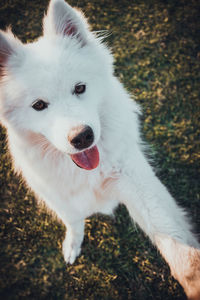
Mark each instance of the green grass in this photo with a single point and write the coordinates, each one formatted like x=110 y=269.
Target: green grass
x=157 y=57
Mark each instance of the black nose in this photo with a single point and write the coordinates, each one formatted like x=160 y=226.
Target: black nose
x=81 y=137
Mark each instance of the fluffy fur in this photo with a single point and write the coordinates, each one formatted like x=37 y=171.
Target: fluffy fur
x=67 y=54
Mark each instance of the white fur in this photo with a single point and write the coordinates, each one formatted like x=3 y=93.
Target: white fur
x=48 y=69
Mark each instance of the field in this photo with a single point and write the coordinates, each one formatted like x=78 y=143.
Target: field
x=157 y=57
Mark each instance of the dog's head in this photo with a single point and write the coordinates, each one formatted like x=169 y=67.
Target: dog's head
x=55 y=86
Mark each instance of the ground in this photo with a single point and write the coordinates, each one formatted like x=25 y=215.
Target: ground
x=157 y=57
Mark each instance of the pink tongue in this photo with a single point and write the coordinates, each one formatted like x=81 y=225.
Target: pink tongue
x=88 y=159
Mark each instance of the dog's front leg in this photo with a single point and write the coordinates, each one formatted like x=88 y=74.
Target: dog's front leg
x=156 y=212
x=73 y=241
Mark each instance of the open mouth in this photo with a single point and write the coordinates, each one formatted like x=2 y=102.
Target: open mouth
x=88 y=159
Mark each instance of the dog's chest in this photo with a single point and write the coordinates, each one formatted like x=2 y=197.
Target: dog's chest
x=64 y=186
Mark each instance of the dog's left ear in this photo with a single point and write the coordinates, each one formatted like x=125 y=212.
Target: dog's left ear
x=62 y=19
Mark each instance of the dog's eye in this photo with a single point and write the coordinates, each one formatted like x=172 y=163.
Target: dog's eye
x=39 y=105
x=79 y=89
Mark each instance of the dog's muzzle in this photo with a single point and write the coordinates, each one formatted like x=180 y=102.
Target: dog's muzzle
x=82 y=137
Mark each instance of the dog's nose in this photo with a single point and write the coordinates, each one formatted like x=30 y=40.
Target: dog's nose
x=81 y=137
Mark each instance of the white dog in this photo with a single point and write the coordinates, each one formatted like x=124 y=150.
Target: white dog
x=73 y=132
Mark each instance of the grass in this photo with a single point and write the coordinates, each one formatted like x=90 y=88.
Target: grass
x=157 y=57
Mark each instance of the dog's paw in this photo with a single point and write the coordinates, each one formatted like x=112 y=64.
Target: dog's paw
x=71 y=250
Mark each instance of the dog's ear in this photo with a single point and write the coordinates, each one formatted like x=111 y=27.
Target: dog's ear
x=64 y=20
x=9 y=46
x=5 y=51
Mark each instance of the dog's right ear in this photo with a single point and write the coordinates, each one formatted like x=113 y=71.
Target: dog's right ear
x=5 y=51
x=62 y=19
x=9 y=46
